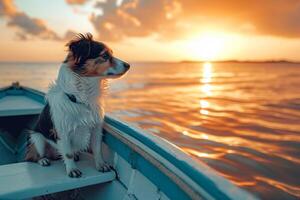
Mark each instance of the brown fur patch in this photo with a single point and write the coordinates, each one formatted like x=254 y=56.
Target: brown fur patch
x=92 y=67
x=31 y=154
x=51 y=152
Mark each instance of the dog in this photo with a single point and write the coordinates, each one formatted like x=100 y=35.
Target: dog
x=72 y=119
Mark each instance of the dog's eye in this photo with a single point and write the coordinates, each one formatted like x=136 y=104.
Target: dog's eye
x=106 y=56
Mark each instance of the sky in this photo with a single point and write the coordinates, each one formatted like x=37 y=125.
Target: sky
x=153 y=30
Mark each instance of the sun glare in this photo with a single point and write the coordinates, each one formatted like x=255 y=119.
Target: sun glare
x=207 y=46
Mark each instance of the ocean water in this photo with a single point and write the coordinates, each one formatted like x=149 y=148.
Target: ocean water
x=242 y=119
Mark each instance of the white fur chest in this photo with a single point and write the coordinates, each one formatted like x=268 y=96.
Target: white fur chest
x=75 y=121
x=80 y=139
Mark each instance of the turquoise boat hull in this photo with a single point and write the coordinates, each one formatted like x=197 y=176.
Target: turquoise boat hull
x=144 y=165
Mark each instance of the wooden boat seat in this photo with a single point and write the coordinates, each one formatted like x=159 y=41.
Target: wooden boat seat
x=14 y=105
x=26 y=180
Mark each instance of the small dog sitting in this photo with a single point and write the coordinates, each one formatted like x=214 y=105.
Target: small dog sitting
x=72 y=119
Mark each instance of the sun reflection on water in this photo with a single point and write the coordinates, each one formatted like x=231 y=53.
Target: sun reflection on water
x=207 y=72
x=204 y=112
x=202 y=154
x=204 y=103
x=196 y=136
x=231 y=141
x=206 y=87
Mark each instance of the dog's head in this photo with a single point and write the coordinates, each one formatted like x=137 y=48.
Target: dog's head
x=90 y=58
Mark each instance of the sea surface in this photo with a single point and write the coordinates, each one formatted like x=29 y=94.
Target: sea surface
x=242 y=119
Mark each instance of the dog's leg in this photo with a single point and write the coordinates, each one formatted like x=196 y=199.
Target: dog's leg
x=39 y=143
x=96 y=142
x=65 y=149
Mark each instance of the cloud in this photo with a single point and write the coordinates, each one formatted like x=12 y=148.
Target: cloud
x=269 y=17
x=7 y=8
x=31 y=27
x=80 y=2
x=69 y=35
x=171 y=19
x=168 y=19
x=134 y=18
x=28 y=27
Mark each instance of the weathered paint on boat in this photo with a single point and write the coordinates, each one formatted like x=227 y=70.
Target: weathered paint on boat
x=145 y=166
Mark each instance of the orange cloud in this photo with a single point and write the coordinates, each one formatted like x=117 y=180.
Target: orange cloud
x=171 y=19
x=7 y=8
x=76 y=1
x=268 y=17
x=28 y=27
x=135 y=18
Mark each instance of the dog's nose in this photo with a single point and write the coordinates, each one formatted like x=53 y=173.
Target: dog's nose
x=126 y=65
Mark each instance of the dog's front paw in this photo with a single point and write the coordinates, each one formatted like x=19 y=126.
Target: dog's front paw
x=75 y=173
x=103 y=167
x=44 y=162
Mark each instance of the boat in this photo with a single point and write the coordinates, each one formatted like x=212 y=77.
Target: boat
x=144 y=166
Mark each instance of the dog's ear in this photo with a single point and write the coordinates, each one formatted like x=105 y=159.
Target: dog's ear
x=80 y=47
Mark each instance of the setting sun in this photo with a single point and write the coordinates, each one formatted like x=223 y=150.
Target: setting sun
x=207 y=46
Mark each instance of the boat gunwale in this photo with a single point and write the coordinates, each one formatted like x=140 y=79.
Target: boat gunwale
x=212 y=183
x=154 y=162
